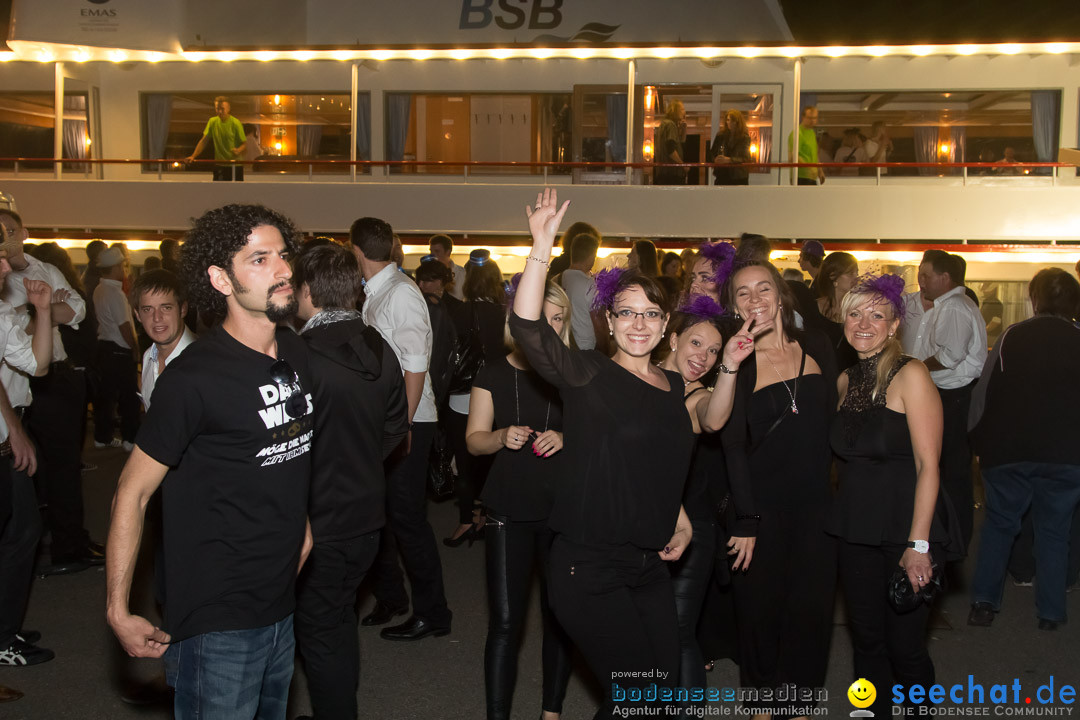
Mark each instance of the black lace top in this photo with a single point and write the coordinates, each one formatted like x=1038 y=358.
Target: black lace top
x=862 y=377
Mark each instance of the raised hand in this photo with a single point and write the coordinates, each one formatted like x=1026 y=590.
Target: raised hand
x=38 y=293
x=740 y=346
x=545 y=217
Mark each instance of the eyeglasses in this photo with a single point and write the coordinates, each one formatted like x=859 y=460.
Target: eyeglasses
x=282 y=373
x=628 y=314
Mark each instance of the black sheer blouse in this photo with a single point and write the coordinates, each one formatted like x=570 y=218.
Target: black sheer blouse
x=628 y=444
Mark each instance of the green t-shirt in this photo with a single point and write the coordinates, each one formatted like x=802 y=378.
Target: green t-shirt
x=228 y=135
x=807 y=152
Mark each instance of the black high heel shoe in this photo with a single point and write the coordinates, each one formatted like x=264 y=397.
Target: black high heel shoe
x=469 y=535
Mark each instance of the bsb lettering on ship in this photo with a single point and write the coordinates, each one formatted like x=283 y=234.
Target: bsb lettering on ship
x=295 y=435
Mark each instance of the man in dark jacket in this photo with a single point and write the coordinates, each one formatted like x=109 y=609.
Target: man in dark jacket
x=361 y=415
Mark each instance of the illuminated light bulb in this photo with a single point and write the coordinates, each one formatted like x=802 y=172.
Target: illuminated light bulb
x=303 y=55
x=623 y=53
x=791 y=52
x=920 y=50
x=664 y=53
x=342 y=55
x=582 y=53
x=877 y=50
x=87 y=141
x=944 y=148
x=118 y=56
x=81 y=56
x=707 y=53
x=193 y=56
x=1008 y=48
x=500 y=53
x=461 y=54
x=265 y=56
x=753 y=148
x=1055 y=48
x=382 y=55
x=7 y=56
x=966 y=49
x=836 y=52
x=176 y=164
x=45 y=56
x=277 y=146
x=541 y=53
x=225 y=56
x=749 y=52
x=277 y=99
x=153 y=57
x=446 y=136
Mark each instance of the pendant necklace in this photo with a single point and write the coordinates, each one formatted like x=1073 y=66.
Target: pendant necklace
x=794 y=382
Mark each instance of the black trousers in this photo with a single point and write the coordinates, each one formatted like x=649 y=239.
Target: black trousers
x=326 y=623
x=956 y=477
x=784 y=602
x=55 y=421
x=513 y=551
x=18 y=545
x=618 y=607
x=409 y=532
x=690 y=580
x=889 y=647
x=472 y=470
x=226 y=173
x=807 y=181
x=119 y=387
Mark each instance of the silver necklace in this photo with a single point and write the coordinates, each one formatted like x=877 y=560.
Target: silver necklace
x=794 y=382
x=517 y=404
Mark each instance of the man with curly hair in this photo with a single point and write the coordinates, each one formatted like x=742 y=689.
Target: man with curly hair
x=228 y=438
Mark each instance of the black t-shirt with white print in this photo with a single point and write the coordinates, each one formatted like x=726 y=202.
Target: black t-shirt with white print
x=235 y=496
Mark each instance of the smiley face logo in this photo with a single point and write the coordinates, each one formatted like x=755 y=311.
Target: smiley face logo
x=862 y=693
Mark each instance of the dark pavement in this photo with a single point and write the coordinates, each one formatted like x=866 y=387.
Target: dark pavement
x=443 y=677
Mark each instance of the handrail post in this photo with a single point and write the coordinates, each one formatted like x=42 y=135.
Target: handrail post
x=1054 y=176
x=545 y=174
x=878 y=169
x=159 y=169
x=965 y=175
x=16 y=168
x=465 y=170
x=309 y=172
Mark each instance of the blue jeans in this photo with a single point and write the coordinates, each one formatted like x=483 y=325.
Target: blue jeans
x=1052 y=492
x=233 y=675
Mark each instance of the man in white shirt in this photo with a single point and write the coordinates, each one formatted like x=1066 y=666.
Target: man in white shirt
x=396 y=308
x=20 y=520
x=915 y=306
x=160 y=307
x=951 y=341
x=55 y=421
x=441 y=246
x=577 y=281
x=118 y=354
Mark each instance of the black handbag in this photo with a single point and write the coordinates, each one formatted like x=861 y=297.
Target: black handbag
x=903 y=597
x=441 y=474
x=466 y=359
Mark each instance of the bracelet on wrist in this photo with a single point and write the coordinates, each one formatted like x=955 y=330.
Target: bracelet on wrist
x=726 y=370
x=539 y=260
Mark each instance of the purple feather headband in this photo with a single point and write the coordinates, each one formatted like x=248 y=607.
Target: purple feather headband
x=722 y=256
x=511 y=291
x=607 y=287
x=890 y=287
x=702 y=306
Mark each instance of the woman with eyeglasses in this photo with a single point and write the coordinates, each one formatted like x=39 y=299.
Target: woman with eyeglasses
x=616 y=515
x=482 y=318
x=516 y=418
x=776 y=446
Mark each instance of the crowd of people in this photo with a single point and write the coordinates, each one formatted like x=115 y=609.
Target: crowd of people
x=683 y=416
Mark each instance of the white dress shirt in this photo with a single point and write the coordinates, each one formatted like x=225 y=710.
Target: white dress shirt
x=396 y=308
x=18 y=361
x=17 y=384
x=458 y=290
x=909 y=326
x=953 y=332
x=150 y=372
x=113 y=310
x=580 y=287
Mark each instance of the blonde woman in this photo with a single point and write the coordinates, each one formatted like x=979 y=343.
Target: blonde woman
x=516 y=416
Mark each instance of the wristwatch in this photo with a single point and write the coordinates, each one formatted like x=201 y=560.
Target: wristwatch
x=921 y=546
x=724 y=369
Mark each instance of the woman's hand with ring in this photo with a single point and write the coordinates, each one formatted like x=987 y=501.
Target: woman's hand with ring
x=515 y=436
x=548 y=443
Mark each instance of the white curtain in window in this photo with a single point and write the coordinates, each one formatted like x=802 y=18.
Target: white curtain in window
x=158 y=117
x=1045 y=125
x=363 y=126
x=307 y=140
x=75 y=131
x=958 y=147
x=926 y=147
x=398 y=106
x=764 y=144
x=616 y=125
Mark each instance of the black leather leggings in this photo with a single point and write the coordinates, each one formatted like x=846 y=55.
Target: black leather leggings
x=689 y=581
x=514 y=550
